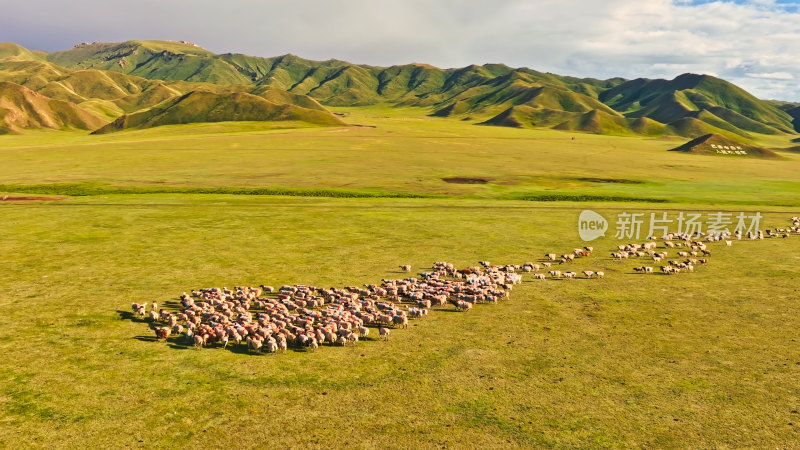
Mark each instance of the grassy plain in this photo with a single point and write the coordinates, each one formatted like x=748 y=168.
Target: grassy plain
x=407 y=152
x=708 y=359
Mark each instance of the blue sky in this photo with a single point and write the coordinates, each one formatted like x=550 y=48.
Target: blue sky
x=751 y=43
x=787 y=5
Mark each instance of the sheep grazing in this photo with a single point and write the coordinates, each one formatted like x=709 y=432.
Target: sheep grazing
x=139 y=310
x=256 y=343
x=307 y=316
x=406 y=268
x=162 y=333
x=400 y=321
x=463 y=306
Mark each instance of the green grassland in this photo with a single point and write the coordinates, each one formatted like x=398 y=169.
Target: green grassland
x=707 y=359
x=406 y=152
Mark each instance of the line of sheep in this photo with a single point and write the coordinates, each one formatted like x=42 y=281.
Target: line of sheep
x=691 y=248
x=303 y=316
x=647 y=251
x=307 y=316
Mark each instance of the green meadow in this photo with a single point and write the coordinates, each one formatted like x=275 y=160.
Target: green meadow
x=703 y=359
x=407 y=153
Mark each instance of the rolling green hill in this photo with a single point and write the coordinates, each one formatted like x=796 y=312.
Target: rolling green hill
x=203 y=106
x=159 y=60
x=22 y=108
x=110 y=94
x=593 y=121
x=795 y=114
x=691 y=95
x=112 y=79
x=600 y=122
x=10 y=50
x=332 y=82
x=527 y=116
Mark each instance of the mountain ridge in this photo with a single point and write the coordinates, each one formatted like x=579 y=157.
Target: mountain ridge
x=489 y=94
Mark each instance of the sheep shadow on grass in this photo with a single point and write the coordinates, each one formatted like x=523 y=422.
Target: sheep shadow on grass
x=173 y=305
x=127 y=315
x=176 y=344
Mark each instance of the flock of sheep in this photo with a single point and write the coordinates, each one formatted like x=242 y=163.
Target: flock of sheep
x=307 y=316
x=303 y=316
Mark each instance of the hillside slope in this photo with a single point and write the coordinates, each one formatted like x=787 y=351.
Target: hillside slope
x=691 y=95
x=158 y=60
x=10 y=50
x=109 y=95
x=22 y=108
x=795 y=115
x=717 y=145
x=203 y=106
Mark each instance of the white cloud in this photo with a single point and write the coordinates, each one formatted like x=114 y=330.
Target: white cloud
x=752 y=44
x=772 y=76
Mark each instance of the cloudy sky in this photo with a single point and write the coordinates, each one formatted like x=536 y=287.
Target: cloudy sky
x=753 y=43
